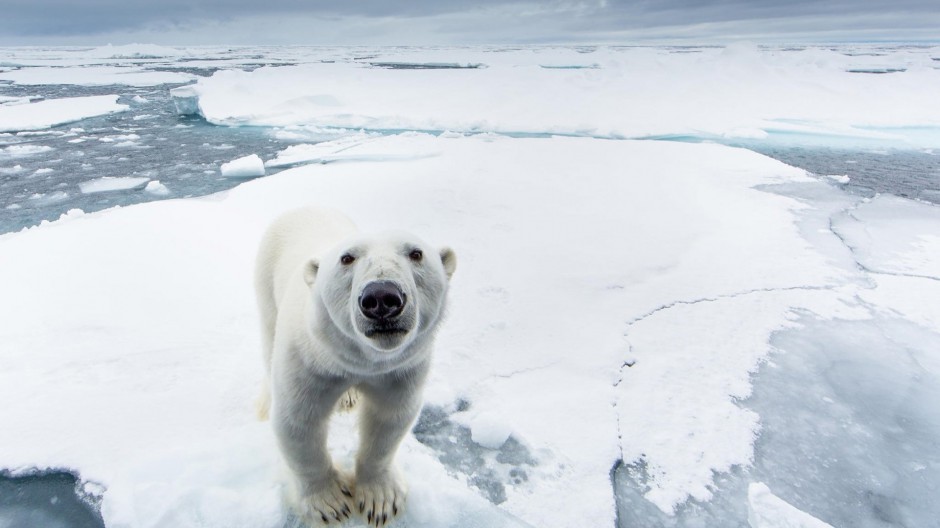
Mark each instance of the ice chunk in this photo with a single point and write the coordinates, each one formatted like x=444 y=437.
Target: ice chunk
x=112 y=183
x=486 y=428
x=157 y=188
x=186 y=100
x=766 y=510
x=244 y=167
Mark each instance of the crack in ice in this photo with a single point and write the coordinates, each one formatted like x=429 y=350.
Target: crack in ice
x=858 y=263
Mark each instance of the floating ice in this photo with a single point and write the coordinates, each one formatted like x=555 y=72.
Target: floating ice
x=157 y=188
x=244 y=167
x=186 y=100
x=48 y=198
x=22 y=151
x=840 y=178
x=119 y=138
x=52 y=112
x=111 y=183
x=95 y=76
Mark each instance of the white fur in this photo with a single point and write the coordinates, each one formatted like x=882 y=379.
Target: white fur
x=317 y=352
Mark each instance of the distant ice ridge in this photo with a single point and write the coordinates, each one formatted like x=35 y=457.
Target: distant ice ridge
x=135 y=51
x=770 y=95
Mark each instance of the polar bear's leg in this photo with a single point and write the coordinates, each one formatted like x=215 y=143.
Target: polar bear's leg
x=388 y=410
x=319 y=492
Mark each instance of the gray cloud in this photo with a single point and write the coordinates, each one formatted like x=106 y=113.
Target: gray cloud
x=436 y=21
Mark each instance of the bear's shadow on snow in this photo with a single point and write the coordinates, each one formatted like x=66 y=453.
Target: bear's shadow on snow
x=487 y=470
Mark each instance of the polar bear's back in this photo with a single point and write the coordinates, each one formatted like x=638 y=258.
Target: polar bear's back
x=290 y=242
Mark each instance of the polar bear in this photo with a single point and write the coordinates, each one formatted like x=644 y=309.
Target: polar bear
x=342 y=314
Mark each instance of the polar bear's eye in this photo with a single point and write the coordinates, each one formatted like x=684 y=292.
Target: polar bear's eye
x=347 y=259
x=416 y=255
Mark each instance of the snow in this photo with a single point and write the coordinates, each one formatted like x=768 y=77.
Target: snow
x=111 y=183
x=766 y=510
x=51 y=112
x=245 y=167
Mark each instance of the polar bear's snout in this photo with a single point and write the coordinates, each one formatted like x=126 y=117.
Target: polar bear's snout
x=382 y=300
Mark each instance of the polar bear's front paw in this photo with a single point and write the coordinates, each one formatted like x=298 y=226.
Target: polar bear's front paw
x=381 y=498
x=331 y=502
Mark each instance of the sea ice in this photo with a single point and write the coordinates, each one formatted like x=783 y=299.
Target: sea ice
x=111 y=183
x=22 y=151
x=52 y=112
x=893 y=235
x=95 y=76
x=245 y=167
x=635 y=92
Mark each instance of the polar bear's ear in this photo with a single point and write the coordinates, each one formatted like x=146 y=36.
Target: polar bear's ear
x=449 y=259
x=310 y=271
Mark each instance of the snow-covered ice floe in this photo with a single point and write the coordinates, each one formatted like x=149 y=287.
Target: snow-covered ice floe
x=52 y=112
x=614 y=300
x=95 y=76
x=815 y=95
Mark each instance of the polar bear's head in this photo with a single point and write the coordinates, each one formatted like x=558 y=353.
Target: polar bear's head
x=383 y=291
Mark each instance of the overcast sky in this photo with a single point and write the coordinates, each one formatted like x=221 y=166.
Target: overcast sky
x=418 y=22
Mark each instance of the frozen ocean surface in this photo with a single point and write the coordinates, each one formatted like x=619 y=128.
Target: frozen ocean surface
x=756 y=346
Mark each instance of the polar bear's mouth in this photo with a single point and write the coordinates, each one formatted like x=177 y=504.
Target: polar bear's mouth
x=385 y=331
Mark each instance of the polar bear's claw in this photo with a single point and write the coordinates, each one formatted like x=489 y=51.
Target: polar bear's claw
x=380 y=500
x=332 y=504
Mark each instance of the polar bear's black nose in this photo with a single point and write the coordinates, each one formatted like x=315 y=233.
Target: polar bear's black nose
x=381 y=300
